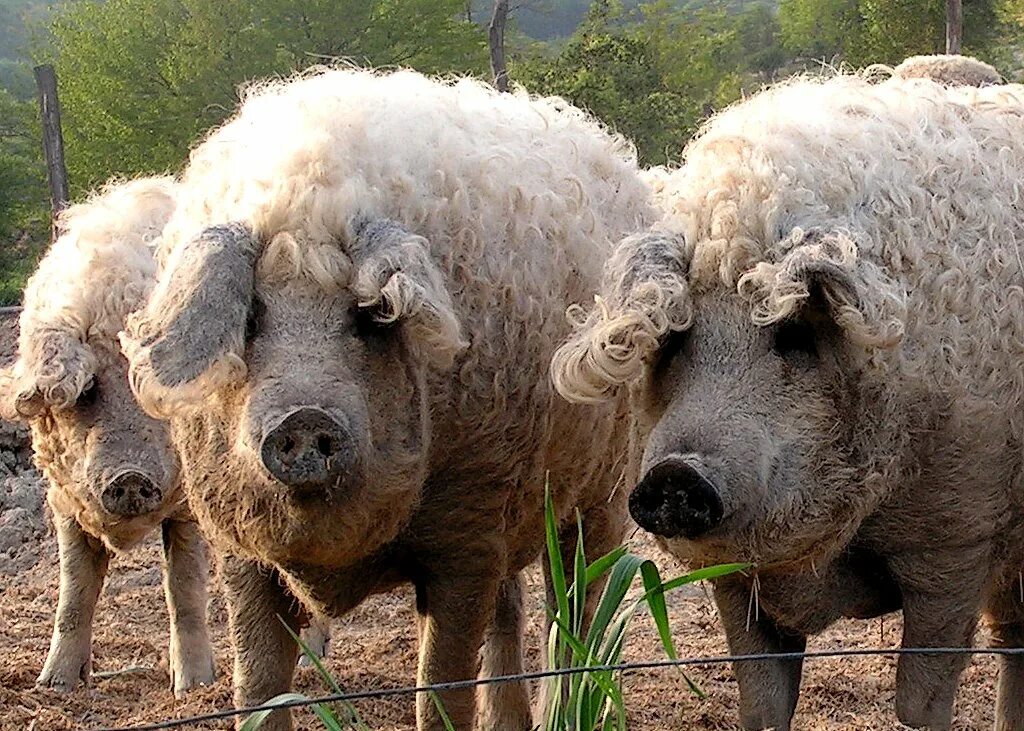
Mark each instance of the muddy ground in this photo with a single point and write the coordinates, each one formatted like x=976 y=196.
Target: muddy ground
x=375 y=647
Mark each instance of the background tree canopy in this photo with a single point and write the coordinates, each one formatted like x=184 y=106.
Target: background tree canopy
x=142 y=80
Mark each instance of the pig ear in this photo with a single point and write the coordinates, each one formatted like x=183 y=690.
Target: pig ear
x=823 y=269
x=53 y=368
x=397 y=280
x=644 y=297
x=189 y=340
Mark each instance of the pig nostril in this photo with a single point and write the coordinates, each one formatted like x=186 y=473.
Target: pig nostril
x=324 y=445
x=118 y=493
x=288 y=445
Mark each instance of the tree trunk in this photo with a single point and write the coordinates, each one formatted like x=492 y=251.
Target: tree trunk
x=53 y=140
x=496 y=38
x=954 y=26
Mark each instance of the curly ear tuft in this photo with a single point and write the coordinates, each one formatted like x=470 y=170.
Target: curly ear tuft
x=397 y=277
x=644 y=297
x=861 y=299
x=54 y=366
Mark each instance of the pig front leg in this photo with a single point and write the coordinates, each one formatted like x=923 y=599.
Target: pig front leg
x=942 y=596
x=1005 y=618
x=505 y=706
x=454 y=612
x=185 y=575
x=83 y=566
x=768 y=689
x=265 y=653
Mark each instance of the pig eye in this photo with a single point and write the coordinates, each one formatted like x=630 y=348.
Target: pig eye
x=795 y=337
x=88 y=395
x=671 y=348
x=366 y=323
x=253 y=322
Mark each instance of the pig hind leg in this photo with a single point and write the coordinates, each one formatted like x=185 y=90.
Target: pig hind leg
x=769 y=689
x=83 y=566
x=1006 y=620
x=504 y=705
x=185 y=575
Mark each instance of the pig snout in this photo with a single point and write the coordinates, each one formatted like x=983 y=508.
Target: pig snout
x=308 y=450
x=130 y=494
x=675 y=500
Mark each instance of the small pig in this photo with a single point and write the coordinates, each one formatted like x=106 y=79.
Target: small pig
x=112 y=470
x=823 y=342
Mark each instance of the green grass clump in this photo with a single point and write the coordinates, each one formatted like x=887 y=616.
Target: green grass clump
x=592 y=699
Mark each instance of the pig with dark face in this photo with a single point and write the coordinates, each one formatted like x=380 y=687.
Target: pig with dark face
x=822 y=342
x=112 y=469
x=351 y=334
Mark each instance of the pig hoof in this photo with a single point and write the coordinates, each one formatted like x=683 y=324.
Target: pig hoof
x=318 y=640
x=924 y=716
x=186 y=679
x=63 y=677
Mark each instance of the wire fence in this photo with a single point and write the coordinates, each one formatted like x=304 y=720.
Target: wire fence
x=558 y=672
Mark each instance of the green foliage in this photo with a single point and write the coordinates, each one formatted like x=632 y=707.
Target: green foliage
x=861 y=32
x=655 y=75
x=23 y=198
x=141 y=80
x=593 y=699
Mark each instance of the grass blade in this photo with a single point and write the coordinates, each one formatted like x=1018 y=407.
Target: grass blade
x=602 y=565
x=441 y=711
x=709 y=572
x=579 y=584
x=255 y=720
x=353 y=718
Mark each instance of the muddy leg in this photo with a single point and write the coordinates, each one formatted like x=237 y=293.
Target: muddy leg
x=265 y=653
x=185 y=576
x=454 y=612
x=83 y=565
x=768 y=689
x=1006 y=619
x=505 y=705
x=941 y=602
x=317 y=637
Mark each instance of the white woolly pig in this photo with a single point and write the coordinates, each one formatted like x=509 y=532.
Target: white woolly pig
x=362 y=290
x=112 y=470
x=823 y=342
x=948 y=69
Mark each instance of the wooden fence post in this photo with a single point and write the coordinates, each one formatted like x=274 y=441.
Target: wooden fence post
x=954 y=26
x=53 y=140
x=496 y=41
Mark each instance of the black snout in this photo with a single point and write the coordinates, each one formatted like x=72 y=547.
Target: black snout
x=675 y=500
x=131 y=494
x=308 y=450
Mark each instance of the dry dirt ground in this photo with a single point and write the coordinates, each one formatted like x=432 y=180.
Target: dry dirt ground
x=375 y=646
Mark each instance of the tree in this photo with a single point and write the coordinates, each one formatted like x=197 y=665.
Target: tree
x=496 y=40
x=24 y=215
x=656 y=75
x=887 y=31
x=141 y=80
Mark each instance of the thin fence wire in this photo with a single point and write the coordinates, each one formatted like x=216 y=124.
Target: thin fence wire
x=558 y=672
